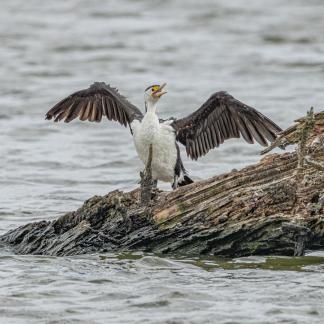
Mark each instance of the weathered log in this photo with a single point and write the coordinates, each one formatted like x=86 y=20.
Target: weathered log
x=273 y=207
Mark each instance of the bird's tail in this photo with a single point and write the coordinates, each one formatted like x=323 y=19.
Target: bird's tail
x=185 y=181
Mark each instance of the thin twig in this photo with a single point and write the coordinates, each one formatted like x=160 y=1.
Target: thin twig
x=146 y=180
x=303 y=137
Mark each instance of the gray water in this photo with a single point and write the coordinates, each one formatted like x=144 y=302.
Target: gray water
x=269 y=54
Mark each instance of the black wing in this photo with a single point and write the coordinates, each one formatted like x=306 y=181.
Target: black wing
x=93 y=103
x=222 y=117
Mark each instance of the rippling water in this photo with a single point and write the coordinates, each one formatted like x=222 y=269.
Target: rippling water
x=148 y=289
x=269 y=54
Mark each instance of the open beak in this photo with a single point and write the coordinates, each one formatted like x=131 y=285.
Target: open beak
x=160 y=92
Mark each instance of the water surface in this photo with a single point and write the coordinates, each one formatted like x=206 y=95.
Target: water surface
x=269 y=54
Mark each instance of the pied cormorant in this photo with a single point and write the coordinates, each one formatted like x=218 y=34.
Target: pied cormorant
x=221 y=117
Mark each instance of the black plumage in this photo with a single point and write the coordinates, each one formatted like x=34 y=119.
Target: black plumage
x=222 y=117
x=91 y=104
x=179 y=170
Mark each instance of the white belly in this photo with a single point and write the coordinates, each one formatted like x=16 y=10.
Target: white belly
x=162 y=138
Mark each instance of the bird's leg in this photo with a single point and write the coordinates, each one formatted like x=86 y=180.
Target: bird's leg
x=147 y=183
x=155 y=182
x=175 y=182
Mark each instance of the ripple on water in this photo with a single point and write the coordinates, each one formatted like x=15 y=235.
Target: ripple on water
x=270 y=57
x=166 y=288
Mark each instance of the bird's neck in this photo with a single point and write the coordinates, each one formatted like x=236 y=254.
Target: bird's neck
x=150 y=107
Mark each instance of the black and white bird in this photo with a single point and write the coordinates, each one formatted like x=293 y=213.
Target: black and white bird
x=221 y=117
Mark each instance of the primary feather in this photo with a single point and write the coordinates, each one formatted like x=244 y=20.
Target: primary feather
x=222 y=117
x=91 y=104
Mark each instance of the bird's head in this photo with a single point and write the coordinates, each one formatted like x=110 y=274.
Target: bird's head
x=153 y=93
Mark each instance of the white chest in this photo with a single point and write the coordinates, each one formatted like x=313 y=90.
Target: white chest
x=162 y=138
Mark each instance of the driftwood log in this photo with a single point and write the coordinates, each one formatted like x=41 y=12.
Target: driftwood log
x=273 y=207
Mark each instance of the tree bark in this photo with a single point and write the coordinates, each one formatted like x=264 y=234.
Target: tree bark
x=272 y=207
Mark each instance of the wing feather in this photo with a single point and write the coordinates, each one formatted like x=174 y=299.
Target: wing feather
x=208 y=145
x=256 y=133
x=85 y=111
x=222 y=117
x=110 y=110
x=209 y=137
x=223 y=127
x=99 y=111
x=93 y=116
x=197 y=148
x=214 y=136
x=115 y=110
x=268 y=134
x=91 y=104
x=220 y=131
x=73 y=111
x=60 y=116
x=245 y=131
x=204 y=143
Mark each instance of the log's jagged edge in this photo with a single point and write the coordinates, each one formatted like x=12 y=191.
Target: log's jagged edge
x=266 y=208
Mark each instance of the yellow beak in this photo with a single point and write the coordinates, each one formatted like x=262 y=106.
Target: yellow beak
x=160 y=92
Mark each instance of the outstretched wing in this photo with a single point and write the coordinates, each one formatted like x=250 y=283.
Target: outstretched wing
x=93 y=103
x=222 y=117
